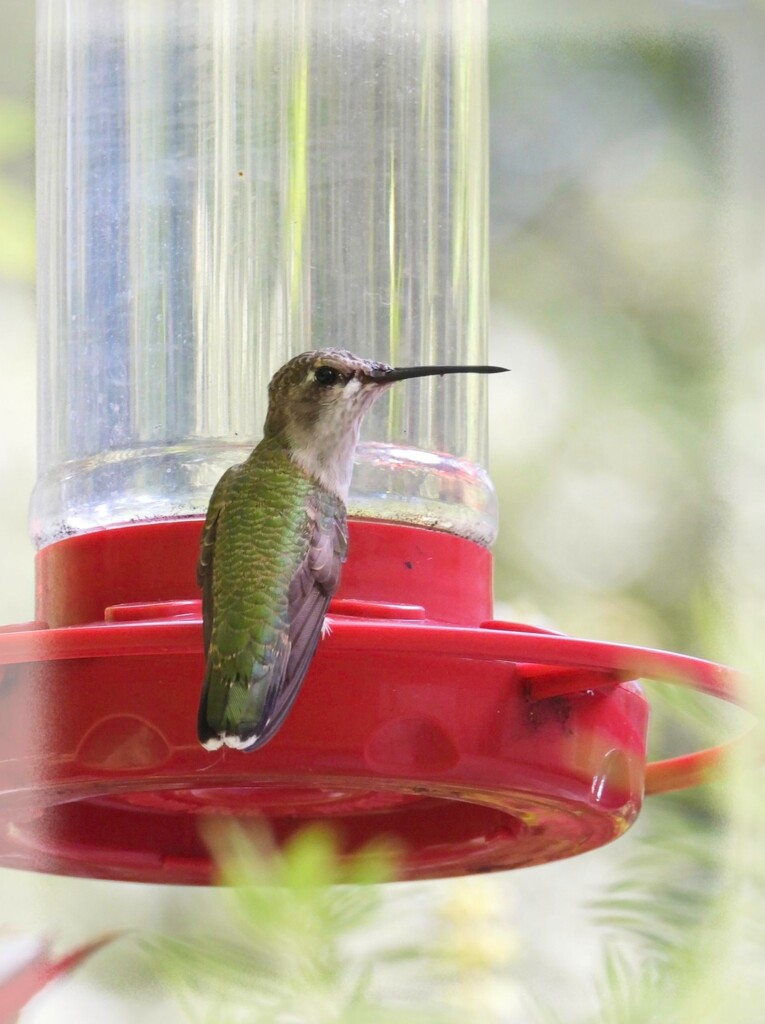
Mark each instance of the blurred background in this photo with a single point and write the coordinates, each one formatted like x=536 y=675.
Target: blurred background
x=627 y=201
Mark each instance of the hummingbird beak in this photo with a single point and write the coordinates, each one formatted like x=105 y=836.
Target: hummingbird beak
x=406 y=372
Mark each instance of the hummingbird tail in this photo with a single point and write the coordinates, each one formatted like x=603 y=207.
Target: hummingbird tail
x=216 y=725
x=210 y=738
x=234 y=711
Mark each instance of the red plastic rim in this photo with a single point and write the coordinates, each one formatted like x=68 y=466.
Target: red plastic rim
x=478 y=747
x=448 y=577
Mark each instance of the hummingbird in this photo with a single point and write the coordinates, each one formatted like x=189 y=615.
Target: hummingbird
x=275 y=539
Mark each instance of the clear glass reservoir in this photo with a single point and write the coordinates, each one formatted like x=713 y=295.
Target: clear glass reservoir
x=225 y=183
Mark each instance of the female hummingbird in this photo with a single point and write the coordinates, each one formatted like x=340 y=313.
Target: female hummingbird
x=275 y=539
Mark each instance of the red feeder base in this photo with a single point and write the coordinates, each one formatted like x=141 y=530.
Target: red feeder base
x=478 y=745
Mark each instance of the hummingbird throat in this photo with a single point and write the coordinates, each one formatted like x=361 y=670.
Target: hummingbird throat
x=325 y=449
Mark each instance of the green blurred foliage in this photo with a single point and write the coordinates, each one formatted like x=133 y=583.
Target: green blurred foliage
x=300 y=945
x=606 y=167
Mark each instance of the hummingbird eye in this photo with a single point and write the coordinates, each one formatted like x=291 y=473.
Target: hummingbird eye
x=327 y=376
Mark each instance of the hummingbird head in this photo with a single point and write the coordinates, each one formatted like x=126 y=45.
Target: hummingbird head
x=316 y=403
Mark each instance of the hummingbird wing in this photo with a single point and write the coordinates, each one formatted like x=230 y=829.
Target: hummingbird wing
x=261 y=628
x=309 y=594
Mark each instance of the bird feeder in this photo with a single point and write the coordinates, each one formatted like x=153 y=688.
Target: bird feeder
x=221 y=186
